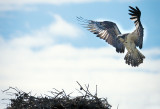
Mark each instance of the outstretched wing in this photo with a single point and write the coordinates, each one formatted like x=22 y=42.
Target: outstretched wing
x=105 y=30
x=135 y=15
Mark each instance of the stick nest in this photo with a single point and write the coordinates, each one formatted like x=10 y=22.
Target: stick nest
x=59 y=100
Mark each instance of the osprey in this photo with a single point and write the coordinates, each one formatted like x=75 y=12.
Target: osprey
x=109 y=31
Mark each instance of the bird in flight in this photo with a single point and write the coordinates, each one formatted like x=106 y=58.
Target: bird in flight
x=109 y=32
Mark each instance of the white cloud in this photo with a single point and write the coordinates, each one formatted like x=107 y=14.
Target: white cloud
x=31 y=41
x=45 y=36
x=11 y=7
x=128 y=0
x=59 y=66
x=22 y=2
x=63 y=28
x=152 y=52
x=6 y=5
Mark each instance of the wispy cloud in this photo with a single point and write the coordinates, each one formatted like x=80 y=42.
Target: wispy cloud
x=8 y=5
x=127 y=0
x=21 y=2
x=45 y=36
x=62 y=28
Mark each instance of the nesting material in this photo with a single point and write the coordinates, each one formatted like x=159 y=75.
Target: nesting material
x=59 y=100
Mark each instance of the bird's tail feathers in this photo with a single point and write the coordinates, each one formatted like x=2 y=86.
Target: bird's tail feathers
x=134 y=58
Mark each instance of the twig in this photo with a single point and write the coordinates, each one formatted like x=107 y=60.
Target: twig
x=96 y=91
x=10 y=88
x=87 y=90
x=117 y=106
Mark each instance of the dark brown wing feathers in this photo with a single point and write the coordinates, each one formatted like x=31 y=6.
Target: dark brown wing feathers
x=135 y=15
x=105 y=30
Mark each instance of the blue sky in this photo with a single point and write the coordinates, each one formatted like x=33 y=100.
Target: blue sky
x=43 y=46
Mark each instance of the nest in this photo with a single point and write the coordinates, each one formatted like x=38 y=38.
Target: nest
x=59 y=100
